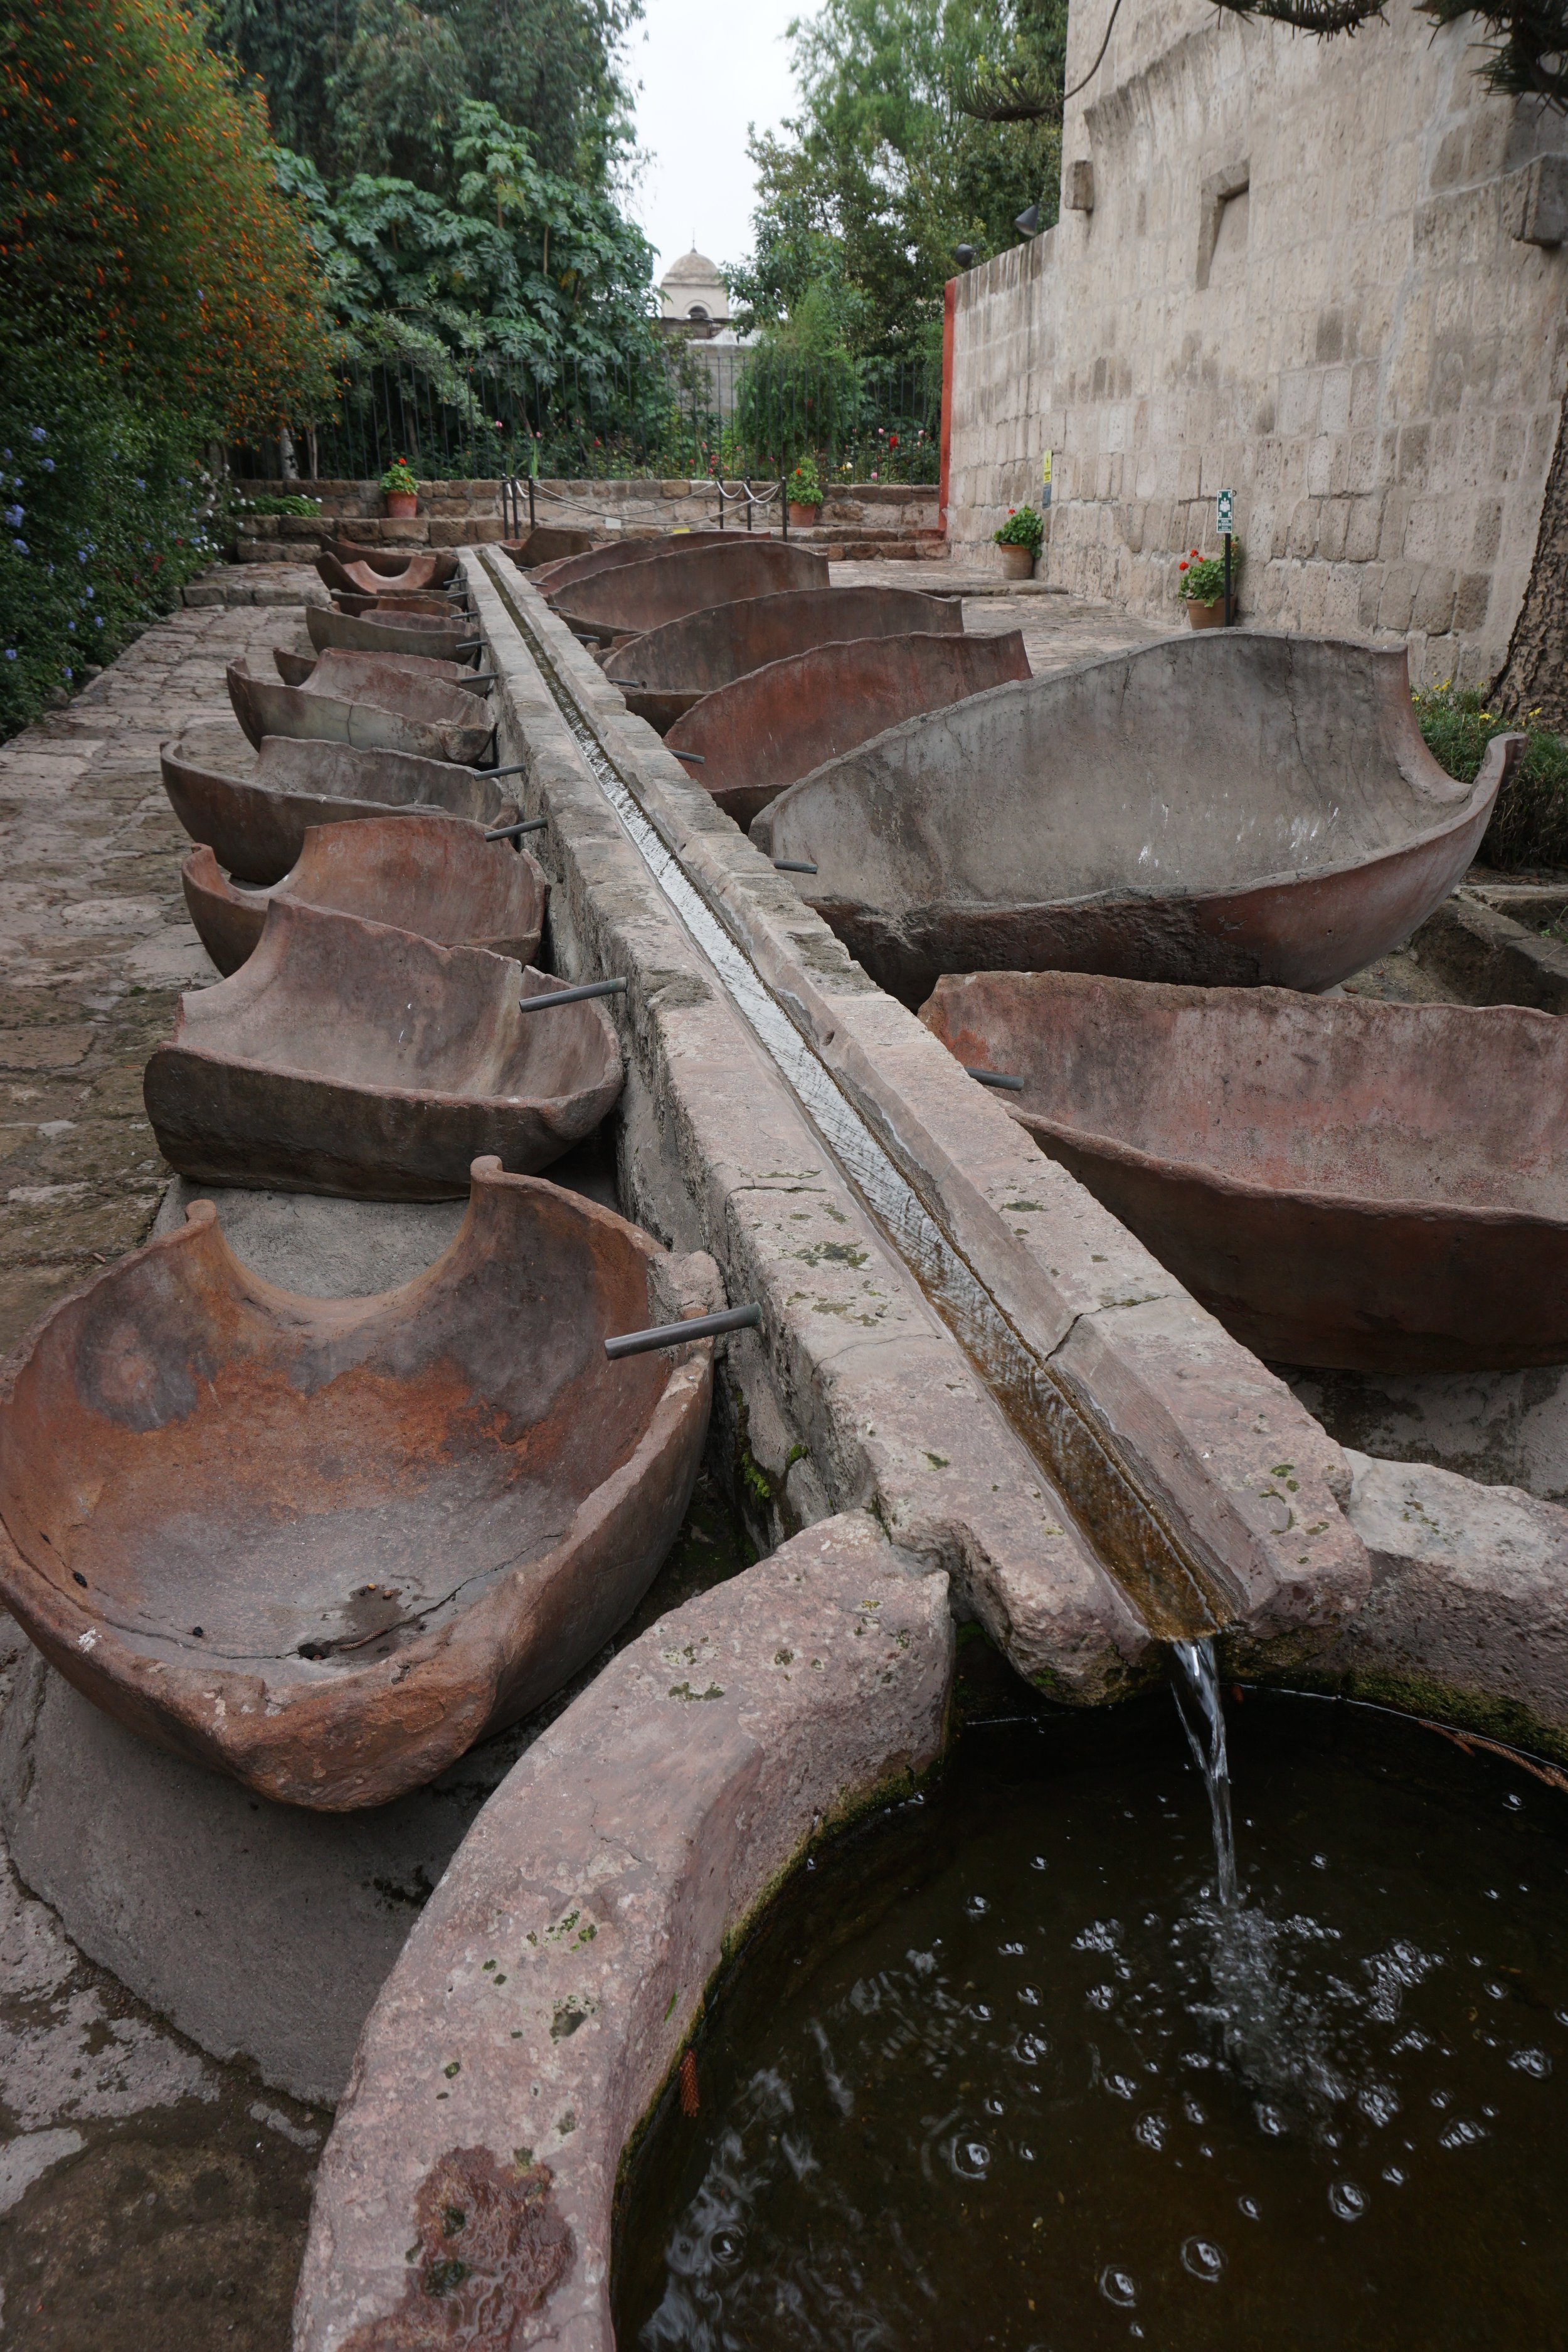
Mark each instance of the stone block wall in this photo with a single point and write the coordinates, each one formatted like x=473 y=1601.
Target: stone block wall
x=1290 y=267
x=859 y=519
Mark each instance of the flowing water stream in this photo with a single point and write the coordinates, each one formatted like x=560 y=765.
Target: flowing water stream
x=1202 y=1710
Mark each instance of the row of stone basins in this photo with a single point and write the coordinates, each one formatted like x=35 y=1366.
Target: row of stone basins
x=677 y=1012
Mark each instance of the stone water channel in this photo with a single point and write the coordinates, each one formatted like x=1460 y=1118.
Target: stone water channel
x=795 y=1123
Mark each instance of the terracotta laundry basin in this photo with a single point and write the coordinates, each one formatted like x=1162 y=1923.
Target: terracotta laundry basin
x=378 y=631
x=254 y=825
x=546 y=543
x=1233 y=809
x=359 y=568
x=325 y=1544
x=1342 y=1181
x=663 y=673
x=438 y=564
x=757 y=734
x=346 y=670
x=679 y=580
x=347 y=1057
x=588 y=563
x=402 y=606
x=400 y=712
x=432 y=874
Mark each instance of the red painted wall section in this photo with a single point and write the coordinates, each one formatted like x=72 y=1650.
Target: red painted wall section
x=949 y=302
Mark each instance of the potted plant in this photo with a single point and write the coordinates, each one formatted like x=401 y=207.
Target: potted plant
x=804 y=491
x=1201 y=586
x=1019 y=540
x=400 y=489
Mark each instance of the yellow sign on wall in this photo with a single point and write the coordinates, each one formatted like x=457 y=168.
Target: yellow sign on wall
x=1046 y=480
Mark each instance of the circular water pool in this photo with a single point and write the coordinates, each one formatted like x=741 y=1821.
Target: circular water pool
x=998 y=2070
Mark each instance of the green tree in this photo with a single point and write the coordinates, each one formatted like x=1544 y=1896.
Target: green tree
x=867 y=191
x=374 y=84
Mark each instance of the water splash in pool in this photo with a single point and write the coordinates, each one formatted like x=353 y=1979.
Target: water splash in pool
x=1202 y=1710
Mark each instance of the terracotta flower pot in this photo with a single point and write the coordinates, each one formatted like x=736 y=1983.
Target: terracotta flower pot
x=803 y=518
x=402 y=506
x=1017 y=562
x=1206 y=616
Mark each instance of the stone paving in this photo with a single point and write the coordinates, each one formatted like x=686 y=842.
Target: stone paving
x=148 y=2194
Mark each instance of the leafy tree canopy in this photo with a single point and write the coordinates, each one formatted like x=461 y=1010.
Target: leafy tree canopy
x=140 y=221
x=517 y=263
x=863 y=197
x=374 y=85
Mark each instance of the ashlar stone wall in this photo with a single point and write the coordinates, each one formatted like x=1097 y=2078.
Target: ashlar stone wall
x=1314 y=272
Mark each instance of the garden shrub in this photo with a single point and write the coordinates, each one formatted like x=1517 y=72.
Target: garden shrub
x=103 y=519
x=1530 y=824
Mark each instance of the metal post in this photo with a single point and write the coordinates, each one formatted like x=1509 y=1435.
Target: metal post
x=783 y=509
x=1227 y=580
x=530 y=521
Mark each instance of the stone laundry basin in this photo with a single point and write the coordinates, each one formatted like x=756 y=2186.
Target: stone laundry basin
x=431 y=874
x=1342 y=1181
x=635 y=597
x=254 y=825
x=359 y=568
x=401 y=712
x=377 y=631
x=1233 y=809
x=342 y=670
x=762 y=731
x=587 y=563
x=663 y=673
x=324 y=1545
x=347 y=1057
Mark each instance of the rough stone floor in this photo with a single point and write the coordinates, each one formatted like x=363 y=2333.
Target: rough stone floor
x=149 y=2195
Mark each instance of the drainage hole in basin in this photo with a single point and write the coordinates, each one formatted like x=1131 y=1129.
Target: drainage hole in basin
x=1002 y=2071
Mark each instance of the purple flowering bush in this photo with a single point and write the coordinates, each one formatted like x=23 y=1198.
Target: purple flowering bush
x=103 y=510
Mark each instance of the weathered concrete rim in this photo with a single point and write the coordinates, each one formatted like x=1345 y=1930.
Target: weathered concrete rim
x=1133 y=1447
x=552 y=1980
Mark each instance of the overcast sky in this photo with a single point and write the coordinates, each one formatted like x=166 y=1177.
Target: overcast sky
x=708 y=68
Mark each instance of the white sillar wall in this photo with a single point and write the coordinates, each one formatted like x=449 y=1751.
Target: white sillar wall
x=1300 y=280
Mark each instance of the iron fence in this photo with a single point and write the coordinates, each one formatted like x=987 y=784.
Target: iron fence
x=681 y=410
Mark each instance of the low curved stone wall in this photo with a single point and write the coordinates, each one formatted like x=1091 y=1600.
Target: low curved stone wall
x=555 y=1977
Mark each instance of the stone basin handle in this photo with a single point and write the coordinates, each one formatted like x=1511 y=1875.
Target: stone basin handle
x=572 y=995
x=674 y=1335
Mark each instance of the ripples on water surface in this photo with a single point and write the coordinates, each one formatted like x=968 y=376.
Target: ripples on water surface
x=999 y=2071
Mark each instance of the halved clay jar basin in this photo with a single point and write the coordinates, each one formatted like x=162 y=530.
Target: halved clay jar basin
x=399 y=606
x=358 y=567
x=546 y=543
x=431 y=874
x=663 y=673
x=345 y=671
x=1234 y=810
x=426 y=717
x=256 y=825
x=756 y=735
x=325 y=1545
x=347 y=1057
x=1342 y=1181
x=428 y=634
x=676 y=581
x=588 y=562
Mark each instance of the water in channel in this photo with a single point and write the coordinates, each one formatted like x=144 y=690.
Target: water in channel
x=1010 y=2067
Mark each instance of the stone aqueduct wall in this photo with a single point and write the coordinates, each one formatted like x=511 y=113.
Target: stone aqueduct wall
x=871 y=517
x=1291 y=267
